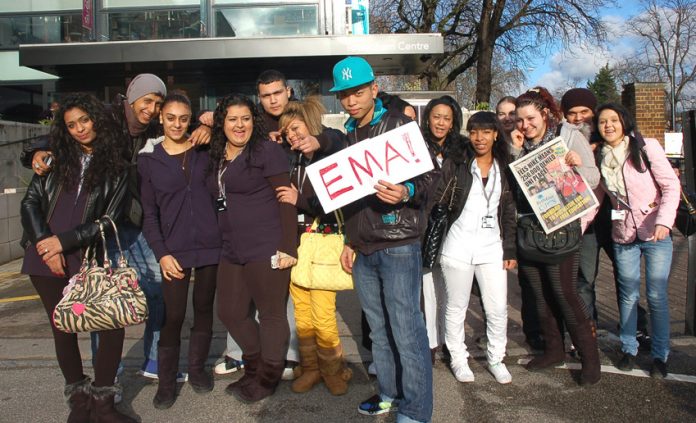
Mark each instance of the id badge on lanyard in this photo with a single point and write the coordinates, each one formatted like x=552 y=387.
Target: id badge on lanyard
x=618 y=213
x=221 y=200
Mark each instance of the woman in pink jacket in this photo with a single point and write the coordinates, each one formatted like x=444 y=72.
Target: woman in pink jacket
x=644 y=193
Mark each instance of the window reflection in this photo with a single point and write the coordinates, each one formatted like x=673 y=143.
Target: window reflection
x=266 y=21
x=154 y=25
x=41 y=30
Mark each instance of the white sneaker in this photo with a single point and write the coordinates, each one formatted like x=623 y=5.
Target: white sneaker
x=500 y=372
x=462 y=372
x=288 y=373
x=372 y=369
x=229 y=365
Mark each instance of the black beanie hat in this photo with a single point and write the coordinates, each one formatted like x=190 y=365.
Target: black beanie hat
x=578 y=97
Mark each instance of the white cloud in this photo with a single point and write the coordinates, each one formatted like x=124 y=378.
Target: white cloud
x=578 y=63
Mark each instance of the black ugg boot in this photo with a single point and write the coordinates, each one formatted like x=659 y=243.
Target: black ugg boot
x=263 y=385
x=554 y=353
x=102 y=406
x=199 y=345
x=77 y=396
x=251 y=367
x=167 y=365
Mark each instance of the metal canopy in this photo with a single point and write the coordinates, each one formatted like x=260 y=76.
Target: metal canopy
x=389 y=54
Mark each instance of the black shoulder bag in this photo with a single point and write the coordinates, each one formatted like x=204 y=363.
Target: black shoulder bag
x=438 y=223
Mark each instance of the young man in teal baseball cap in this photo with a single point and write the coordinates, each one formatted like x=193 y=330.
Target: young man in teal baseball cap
x=383 y=253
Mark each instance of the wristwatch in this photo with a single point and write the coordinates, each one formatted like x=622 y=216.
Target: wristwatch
x=407 y=196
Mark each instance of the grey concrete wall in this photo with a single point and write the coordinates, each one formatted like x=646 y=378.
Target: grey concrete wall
x=10 y=225
x=12 y=174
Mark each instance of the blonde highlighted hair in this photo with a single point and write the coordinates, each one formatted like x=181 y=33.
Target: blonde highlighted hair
x=308 y=111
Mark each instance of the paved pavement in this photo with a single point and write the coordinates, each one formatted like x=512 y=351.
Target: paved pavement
x=31 y=384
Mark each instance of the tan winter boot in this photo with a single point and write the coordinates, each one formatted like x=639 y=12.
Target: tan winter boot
x=333 y=369
x=309 y=374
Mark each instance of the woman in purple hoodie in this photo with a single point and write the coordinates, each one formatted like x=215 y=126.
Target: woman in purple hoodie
x=179 y=224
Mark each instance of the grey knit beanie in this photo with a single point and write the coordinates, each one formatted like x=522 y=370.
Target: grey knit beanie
x=144 y=84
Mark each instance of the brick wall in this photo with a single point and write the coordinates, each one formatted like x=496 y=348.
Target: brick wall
x=646 y=102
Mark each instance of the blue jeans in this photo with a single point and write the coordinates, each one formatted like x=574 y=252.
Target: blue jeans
x=388 y=282
x=141 y=257
x=658 y=259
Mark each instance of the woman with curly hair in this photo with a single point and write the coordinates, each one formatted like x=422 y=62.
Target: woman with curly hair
x=58 y=216
x=554 y=282
x=179 y=224
x=320 y=348
x=259 y=243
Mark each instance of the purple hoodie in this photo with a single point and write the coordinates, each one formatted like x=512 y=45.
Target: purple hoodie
x=179 y=217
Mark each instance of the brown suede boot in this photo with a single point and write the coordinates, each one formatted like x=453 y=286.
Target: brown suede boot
x=199 y=345
x=333 y=369
x=102 y=406
x=77 y=396
x=264 y=385
x=554 y=353
x=167 y=366
x=251 y=367
x=309 y=374
x=584 y=336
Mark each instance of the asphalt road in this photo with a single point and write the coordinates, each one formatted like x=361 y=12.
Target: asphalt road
x=31 y=384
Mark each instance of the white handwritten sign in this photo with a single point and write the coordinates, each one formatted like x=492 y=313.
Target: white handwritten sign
x=352 y=173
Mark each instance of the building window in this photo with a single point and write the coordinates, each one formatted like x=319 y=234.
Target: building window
x=259 y=21
x=15 y=30
x=154 y=25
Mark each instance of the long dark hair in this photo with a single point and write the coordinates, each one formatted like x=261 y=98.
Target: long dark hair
x=628 y=125
x=107 y=148
x=488 y=120
x=218 y=140
x=454 y=137
x=541 y=99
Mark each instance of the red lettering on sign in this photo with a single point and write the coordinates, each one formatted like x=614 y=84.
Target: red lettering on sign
x=407 y=139
x=322 y=172
x=367 y=169
x=387 y=158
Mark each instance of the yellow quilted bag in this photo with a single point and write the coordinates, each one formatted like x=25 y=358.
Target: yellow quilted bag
x=319 y=260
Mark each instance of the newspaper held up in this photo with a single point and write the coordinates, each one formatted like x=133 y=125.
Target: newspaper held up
x=557 y=193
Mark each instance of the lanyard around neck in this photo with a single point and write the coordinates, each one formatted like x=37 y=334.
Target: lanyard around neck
x=491 y=184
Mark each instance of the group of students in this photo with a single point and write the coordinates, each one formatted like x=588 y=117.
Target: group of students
x=225 y=203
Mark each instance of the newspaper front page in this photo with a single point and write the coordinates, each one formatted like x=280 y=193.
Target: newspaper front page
x=557 y=193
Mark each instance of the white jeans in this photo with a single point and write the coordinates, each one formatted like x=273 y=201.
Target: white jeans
x=492 y=281
x=434 y=305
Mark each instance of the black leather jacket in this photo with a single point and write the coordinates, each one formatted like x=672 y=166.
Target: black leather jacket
x=373 y=225
x=507 y=213
x=132 y=209
x=40 y=200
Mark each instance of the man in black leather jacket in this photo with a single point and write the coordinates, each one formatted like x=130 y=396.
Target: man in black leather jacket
x=383 y=253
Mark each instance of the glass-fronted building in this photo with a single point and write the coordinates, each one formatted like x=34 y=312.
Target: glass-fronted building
x=206 y=47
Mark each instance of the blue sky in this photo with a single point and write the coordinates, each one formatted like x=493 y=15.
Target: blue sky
x=556 y=69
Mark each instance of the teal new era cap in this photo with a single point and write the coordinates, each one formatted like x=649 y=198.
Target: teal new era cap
x=350 y=73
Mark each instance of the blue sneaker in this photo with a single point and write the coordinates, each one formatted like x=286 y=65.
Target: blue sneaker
x=230 y=365
x=149 y=370
x=374 y=406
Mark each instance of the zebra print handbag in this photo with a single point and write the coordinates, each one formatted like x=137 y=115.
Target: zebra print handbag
x=101 y=297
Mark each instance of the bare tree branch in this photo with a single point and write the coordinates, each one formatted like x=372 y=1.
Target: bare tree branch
x=477 y=31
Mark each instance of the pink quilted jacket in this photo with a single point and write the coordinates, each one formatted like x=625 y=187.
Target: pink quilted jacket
x=653 y=197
